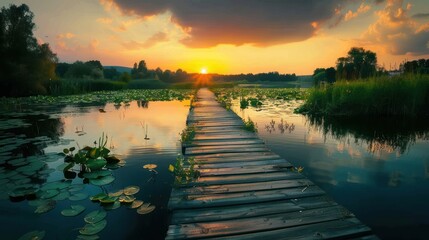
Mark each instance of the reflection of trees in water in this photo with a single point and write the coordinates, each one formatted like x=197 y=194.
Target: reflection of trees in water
x=143 y=104
x=379 y=133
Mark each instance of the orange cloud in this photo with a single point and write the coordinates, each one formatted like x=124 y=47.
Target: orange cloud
x=66 y=36
x=104 y=20
x=361 y=10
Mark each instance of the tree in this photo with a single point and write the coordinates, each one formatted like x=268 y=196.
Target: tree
x=358 y=63
x=26 y=66
x=140 y=70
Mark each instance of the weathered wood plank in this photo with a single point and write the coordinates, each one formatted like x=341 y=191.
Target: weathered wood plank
x=205 y=200
x=247 y=225
x=224 y=136
x=245 y=170
x=241 y=187
x=226 y=149
x=338 y=229
x=250 y=210
x=236 y=164
x=244 y=178
x=224 y=143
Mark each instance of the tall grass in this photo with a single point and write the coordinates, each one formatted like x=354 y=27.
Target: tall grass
x=79 y=86
x=400 y=95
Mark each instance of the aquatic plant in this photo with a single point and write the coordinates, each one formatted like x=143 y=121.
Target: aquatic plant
x=184 y=170
x=90 y=159
x=401 y=96
x=249 y=125
x=187 y=134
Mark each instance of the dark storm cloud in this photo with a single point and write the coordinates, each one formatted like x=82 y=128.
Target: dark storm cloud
x=258 y=22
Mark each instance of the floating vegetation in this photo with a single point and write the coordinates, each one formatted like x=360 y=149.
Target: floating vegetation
x=93 y=228
x=33 y=235
x=101 y=181
x=131 y=190
x=183 y=170
x=116 y=194
x=78 y=197
x=95 y=216
x=136 y=204
x=187 y=134
x=145 y=209
x=45 y=206
x=74 y=210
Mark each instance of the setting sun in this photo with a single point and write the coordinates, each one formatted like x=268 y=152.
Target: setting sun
x=203 y=71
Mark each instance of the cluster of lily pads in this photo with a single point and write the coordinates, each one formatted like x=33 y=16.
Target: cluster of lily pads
x=117 y=97
x=259 y=94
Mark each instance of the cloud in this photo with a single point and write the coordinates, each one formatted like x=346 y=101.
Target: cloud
x=104 y=20
x=66 y=36
x=238 y=22
x=363 y=8
x=150 y=42
x=421 y=15
x=399 y=33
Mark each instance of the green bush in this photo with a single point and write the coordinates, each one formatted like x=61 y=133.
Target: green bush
x=146 y=84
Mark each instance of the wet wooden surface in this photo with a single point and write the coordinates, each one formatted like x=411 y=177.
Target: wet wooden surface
x=247 y=192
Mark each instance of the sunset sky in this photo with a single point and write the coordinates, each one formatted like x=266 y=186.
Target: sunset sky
x=231 y=36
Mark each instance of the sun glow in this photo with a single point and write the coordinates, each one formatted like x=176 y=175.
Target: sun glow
x=203 y=71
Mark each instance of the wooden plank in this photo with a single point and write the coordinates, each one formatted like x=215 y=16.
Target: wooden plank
x=242 y=187
x=236 y=164
x=244 y=178
x=226 y=149
x=245 y=170
x=224 y=136
x=338 y=229
x=205 y=200
x=250 y=210
x=248 y=225
x=224 y=142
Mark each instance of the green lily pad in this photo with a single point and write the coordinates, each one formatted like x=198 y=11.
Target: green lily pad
x=145 y=209
x=78 y=197
x=97 y=174
x=92 y=229
x=74 y=210
x=46 y=207
x=98 y=197
x=46 y=171
x=56 y=185
x=49 y=194
x=131 y=190
x=62 y=196
x=76 y=187
x=108 y=200
x=113 y=206
x=95 y=216
x=126 y=199
x=136 y=204
x=33 y=235
x=18 y=162
x=102 y=180
x=96 y=164
x=87 y=237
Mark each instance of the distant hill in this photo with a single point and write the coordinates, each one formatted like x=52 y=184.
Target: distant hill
x=120 y=69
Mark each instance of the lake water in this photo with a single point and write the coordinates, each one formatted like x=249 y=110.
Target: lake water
x=139 y=133
x=377 y=168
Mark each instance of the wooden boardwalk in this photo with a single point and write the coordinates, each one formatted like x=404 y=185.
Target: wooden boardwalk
x=247 y=192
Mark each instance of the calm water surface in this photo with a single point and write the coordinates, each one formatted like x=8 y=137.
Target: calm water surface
x=141 y=133
x=377 y=168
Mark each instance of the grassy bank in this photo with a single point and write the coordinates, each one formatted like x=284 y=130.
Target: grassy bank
x=399 y=95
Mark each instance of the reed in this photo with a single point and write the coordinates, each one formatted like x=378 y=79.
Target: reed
x=400 y=95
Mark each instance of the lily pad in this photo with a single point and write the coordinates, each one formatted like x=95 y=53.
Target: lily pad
x=145 y=209
x=113 y=206
x=87 y=237
x=46 y=207
x=74 y=210
x=98 y=197
x=97 y=174
x=76 y=187
x=131 y=190
x=102 y=180
x=62 y=196
x=56 y=185
x=96 y=164
x=126 y=199
x=78 y=197
x=108 y=200
x=49 y=194
x=136 y=204
x=116 y=194
x=33 y=235
x=150 y=166
x=93 y=228
x=95 y=216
